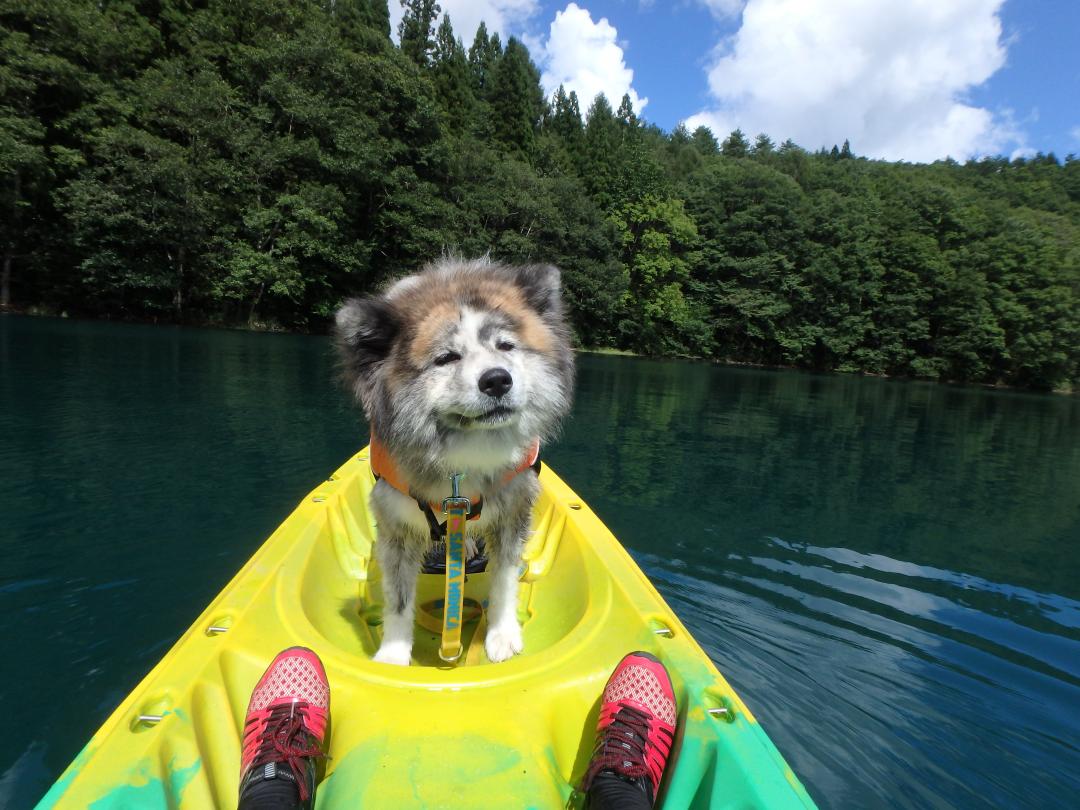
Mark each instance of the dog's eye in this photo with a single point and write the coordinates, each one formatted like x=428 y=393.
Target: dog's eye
x=504 y=345
x=448 y=357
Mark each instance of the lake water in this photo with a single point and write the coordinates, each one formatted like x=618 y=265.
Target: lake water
x=888 y=572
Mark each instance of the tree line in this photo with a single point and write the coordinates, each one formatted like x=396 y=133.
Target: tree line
x=255 y=161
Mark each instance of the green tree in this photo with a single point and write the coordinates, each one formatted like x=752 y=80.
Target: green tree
x=258 y=183
x=705 y=142
x=23 y=161
x=658 y=238
x=625 y=114
x=450 y=75
x=416 y=29
x=147 y=208
x=517 y=101
x=357 y=18
x=57 y=62
x=483 y=56
x=735 y=145
x=565 y=120
x=746 y=215
x=600 y=168
x=763 y=146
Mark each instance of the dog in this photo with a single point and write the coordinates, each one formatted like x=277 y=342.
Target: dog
x=461 y=368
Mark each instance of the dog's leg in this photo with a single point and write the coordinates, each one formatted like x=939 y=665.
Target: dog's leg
x=399 y=559
x=504 y=631
x=470 y=546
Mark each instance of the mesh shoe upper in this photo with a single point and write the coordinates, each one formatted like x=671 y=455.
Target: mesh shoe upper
x=286 y=720
x=637 y=723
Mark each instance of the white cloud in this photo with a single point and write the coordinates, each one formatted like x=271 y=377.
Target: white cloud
x=503 y=16
x=722 y=9
x=891 y=77
x=585 y=56
x=582 y=55
x=1075 y=132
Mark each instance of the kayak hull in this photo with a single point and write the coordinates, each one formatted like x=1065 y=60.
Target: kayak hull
x=513 y=734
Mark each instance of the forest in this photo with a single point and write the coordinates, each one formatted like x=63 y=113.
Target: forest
x=253 y=162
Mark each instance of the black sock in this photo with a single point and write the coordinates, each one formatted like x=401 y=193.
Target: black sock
x=611 y=792
x=270 y=794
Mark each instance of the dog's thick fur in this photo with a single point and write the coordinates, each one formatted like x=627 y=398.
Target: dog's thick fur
x=414 y=357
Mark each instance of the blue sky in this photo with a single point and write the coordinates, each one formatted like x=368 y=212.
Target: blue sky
x=914 y=80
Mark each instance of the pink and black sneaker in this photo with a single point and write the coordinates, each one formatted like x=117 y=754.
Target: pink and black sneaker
x=635 y=731
x=284 y=732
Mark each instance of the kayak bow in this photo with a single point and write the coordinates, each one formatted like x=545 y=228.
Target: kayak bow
x=477 y=735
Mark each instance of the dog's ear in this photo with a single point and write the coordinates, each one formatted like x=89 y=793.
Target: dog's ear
x=541 y=284
x=364 y=329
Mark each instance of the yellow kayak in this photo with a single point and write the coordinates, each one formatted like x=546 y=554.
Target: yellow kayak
x=517 y=734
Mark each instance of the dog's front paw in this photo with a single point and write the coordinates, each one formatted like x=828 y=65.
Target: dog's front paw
x=394 y=652
x=503 y=641
x=470 y=547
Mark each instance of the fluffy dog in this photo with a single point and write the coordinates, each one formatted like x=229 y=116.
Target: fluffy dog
x=460 y=368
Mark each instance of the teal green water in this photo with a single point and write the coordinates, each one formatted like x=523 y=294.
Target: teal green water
x=888 y=572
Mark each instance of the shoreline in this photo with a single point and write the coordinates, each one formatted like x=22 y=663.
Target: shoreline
x=266 y=328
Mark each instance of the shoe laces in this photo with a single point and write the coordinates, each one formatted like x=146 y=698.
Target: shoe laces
x=286 y=738
x=622 y=745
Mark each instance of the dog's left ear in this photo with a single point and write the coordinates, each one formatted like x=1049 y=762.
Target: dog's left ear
x=542 y=285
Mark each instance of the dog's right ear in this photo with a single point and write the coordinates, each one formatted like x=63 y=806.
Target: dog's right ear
x=364 y=329
x=541 y=284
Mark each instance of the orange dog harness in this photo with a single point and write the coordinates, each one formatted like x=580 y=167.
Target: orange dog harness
x=384 y=469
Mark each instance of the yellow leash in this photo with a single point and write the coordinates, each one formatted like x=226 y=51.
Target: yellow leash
x=428 y=616
x=456 y=508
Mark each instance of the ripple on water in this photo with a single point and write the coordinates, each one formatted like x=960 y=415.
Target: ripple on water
x=902 y=685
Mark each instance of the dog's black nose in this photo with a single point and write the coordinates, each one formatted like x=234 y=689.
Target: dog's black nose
x=495 y=382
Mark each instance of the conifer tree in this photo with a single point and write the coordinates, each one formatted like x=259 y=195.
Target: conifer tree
x=680 y=136
x=483 y=56
x=451 y=77
x=705 y=141
x=357 y=16
x=573 y=108
x=763 y=145
x=565 y=120
x=416 y=29
x=599 y=170
x=517 y=101
x=682 y=155
x=735 y=145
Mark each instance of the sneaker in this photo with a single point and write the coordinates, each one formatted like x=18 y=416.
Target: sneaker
x=285 y=728
x=637 y=724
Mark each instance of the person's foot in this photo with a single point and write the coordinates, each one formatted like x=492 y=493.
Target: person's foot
x=284 y=732
x=637 y=725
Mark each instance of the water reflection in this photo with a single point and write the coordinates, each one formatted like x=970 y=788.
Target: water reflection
x=887 y=571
